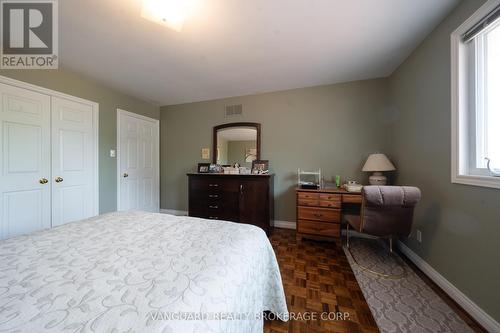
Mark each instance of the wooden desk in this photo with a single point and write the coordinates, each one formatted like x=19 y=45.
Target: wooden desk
x=319 y=212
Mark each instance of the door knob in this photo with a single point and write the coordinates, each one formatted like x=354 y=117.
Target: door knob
x=59 y=180
x=125 y=175
x=43 y=181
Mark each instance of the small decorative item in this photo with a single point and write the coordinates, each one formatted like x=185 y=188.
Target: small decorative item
x=203 y=167
x=353 y=186
x=230 y=170
x=244 y=171
x=309 y=179
x=215 y=168
x=260 y=167
x=337 y=180
x=250 y=154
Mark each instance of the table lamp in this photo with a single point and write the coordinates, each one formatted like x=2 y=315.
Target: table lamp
x=377 y=163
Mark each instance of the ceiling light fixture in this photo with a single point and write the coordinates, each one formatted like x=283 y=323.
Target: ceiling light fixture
x=170 y=13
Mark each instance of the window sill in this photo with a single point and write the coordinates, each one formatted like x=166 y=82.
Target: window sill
x=483 y=181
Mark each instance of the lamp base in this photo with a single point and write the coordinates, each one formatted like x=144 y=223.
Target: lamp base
x=378 y=179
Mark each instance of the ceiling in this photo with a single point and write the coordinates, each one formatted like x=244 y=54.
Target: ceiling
x=240 y=47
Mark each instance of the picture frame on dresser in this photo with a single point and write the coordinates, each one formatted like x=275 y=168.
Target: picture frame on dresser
x=203 y=167
x=260 y=166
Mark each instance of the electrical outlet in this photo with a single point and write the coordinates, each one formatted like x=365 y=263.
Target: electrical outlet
x=112 y=153
x=419 y=236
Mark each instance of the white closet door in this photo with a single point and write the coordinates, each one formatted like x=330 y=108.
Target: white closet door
x=139 y=162
x=25 y=161
x=73 y=161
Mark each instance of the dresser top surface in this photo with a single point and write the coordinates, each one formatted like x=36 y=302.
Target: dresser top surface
x=335 y=190
x=227 y=174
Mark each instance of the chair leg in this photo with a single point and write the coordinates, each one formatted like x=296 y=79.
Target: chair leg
x=390 y=244
x=347 y=235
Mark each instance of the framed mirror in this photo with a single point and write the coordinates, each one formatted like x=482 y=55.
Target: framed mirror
x=236 y=143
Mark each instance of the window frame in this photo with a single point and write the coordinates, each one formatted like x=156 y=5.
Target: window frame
x=463 y=138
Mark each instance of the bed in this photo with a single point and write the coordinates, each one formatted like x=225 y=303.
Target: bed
x=140 y=272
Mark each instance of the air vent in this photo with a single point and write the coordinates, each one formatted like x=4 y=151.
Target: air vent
x=233 y=110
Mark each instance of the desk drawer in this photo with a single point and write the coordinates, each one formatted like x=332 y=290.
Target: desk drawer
x=330 y=197
x=330 y=200
x=351 y=198
x=319 y=228
x=308 y=196
x=319 y=214
x=308 y=202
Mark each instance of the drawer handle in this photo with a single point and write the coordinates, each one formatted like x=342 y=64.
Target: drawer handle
x=213 y=195
x=213 y=185
x=318 y=214
x=213 y=217
x=213 y=207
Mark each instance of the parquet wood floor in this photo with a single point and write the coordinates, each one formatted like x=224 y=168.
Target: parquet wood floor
x=317 y=278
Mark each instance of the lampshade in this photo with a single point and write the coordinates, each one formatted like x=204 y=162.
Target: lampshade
x=378 y=162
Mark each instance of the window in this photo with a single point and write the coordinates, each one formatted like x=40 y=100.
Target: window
x=476 y=98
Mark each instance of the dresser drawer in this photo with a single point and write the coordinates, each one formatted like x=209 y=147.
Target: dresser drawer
x=319 y=228
x=209 y=185
x=319 y=214
x=225 y=210
x=351 y=198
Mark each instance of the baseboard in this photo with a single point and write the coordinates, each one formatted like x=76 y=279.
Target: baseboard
x=490 y=324
x=174 y=212
x=285 y=224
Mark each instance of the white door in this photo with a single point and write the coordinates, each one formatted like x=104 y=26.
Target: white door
x=138 y=162
x=25 y=161
x=73 y=161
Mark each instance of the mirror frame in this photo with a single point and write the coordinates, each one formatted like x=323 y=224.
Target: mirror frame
x=228 y=125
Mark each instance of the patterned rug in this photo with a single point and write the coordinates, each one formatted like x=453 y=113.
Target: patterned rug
x=404 y=305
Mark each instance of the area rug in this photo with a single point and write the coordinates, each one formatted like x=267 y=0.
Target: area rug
x=402 y=305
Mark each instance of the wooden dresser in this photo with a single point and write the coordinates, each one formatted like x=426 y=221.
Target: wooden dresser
x=319 y=212
x=237 y=198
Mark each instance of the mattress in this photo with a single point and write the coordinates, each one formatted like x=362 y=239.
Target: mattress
x=140 y=272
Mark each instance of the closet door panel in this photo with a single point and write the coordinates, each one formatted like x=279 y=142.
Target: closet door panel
x=73 y=160
x=25 y=161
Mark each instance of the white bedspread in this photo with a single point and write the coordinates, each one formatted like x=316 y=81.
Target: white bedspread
x=138 y=272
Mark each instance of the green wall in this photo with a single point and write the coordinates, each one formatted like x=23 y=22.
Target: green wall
x=460 y=224
x=109 y=100
x=332 y=127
